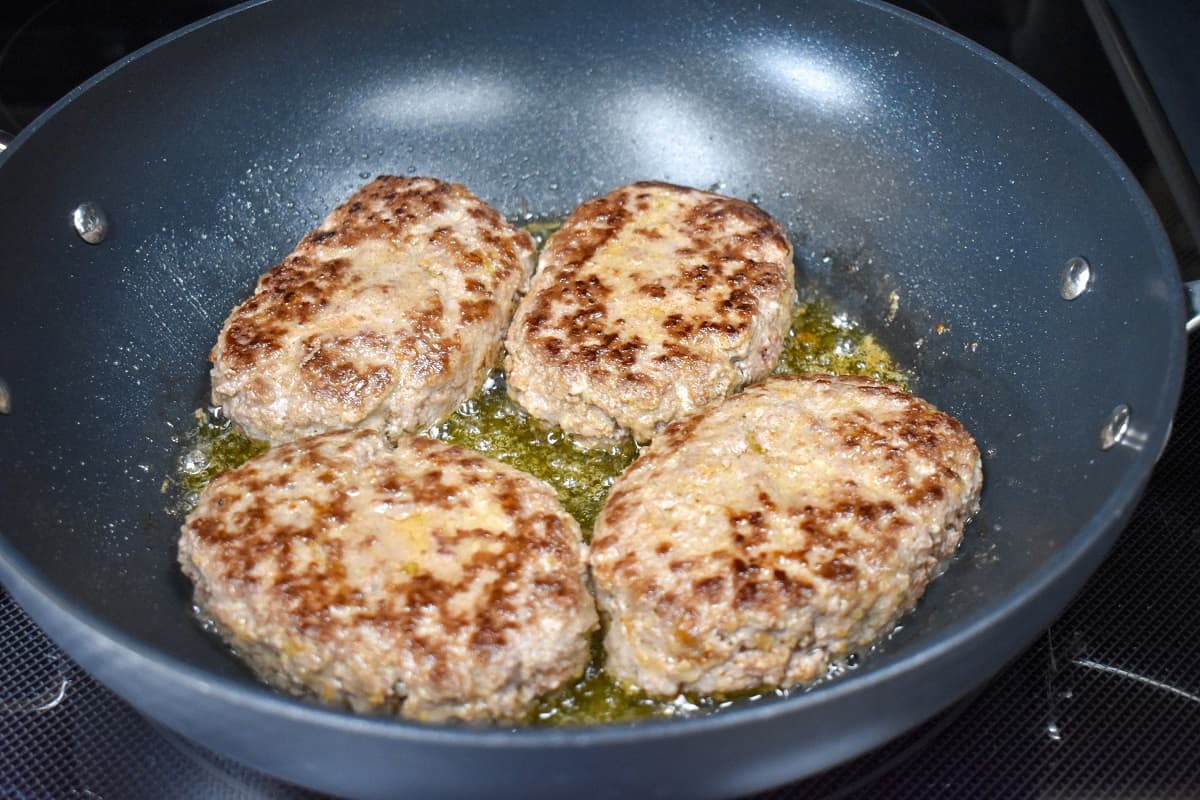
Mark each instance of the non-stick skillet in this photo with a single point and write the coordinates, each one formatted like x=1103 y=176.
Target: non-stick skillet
x=1034 y=293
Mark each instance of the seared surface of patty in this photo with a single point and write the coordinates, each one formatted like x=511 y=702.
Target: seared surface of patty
x=424 y=580
x=388 y=315
x=755 y=541
x=649 y=302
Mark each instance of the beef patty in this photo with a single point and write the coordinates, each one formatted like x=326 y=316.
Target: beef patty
x=424 y=580
x=754 y=542
x=388 y=315
x=649 y=302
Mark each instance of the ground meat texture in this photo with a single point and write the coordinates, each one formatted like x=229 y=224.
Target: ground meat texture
x=650 y=302
x=754 y=542
x=388 y=315
x=425 y=580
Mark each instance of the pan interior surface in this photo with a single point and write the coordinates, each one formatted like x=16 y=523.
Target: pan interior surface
x=929 y=190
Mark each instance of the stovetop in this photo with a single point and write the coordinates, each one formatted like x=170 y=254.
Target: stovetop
x=1106 y=703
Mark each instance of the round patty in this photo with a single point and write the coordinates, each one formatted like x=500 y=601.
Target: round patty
x=753 y=542
x=388 y=315
x=649 y=303
x=424 y=580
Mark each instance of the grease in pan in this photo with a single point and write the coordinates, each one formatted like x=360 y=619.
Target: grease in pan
x=818 y=339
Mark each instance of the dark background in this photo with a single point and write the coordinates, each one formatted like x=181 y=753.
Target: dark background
x=1104 y=704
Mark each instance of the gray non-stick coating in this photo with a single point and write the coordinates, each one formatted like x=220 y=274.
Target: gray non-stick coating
x=906 y=164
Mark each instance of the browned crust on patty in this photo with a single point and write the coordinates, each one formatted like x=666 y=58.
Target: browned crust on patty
x=649 y=302
x=388 y=314
x=427 y=580
x=792 y=524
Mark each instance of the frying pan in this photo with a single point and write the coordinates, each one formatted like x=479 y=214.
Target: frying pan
x=931 y=189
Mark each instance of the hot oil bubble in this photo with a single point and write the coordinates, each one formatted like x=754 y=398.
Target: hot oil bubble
x=194 y=462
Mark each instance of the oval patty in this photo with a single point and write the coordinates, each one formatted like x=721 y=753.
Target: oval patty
x=388 y=315
x=649 y=302
x=753 y=542
x=424 y=580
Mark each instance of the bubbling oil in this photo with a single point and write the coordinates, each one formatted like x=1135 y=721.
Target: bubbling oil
x=212 y=445
x=492 y=424
x=823 y=339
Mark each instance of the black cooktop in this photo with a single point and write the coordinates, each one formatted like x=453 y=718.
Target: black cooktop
x=1106 y=703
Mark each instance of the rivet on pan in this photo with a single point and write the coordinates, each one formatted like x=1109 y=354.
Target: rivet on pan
x=1115 y=427
x=1076 y=276
x=90 y=222
x=5 y=397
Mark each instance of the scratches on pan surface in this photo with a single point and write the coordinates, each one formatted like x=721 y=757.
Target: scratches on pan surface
x=188 y=294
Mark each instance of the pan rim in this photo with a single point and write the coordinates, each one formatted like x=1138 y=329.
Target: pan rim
x=16 y=571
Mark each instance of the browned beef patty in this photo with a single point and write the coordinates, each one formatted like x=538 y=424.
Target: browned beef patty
x=388 y=315
x=424 y=580
x=793 y=524
x=649 y=302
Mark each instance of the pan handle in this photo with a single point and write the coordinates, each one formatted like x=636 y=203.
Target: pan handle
x=5 y=394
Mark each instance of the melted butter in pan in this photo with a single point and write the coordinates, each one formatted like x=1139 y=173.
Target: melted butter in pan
x=494 y=425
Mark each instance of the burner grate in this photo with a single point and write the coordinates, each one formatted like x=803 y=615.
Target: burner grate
x=63 y=735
